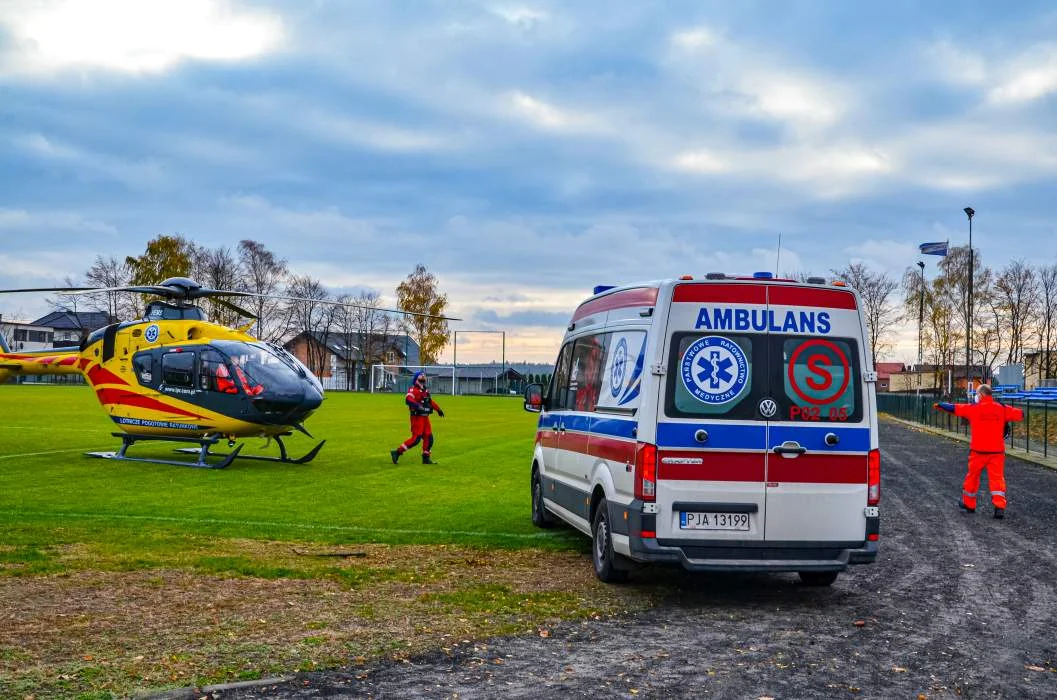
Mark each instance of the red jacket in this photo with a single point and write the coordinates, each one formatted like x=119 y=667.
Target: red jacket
x=420 y=402
x=988 y=421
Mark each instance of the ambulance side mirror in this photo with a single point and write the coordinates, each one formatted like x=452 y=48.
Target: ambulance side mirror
x=534 y=398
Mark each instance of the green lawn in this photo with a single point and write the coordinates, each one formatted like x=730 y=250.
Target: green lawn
x=121 y=576
x=351 y=492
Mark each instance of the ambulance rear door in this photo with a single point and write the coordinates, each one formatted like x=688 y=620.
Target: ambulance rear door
x=818 y=440
x=711 y=443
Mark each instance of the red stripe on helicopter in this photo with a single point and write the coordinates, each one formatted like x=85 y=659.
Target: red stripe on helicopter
x=82 y=363
x=122 y=397
x=99 y=375
x=67 y=361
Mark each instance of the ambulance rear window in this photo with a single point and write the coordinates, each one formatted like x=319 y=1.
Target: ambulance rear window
x=713 y=375
x=820 y=380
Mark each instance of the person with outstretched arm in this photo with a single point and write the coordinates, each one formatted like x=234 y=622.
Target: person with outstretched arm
x=421 y=405
x=987 y=446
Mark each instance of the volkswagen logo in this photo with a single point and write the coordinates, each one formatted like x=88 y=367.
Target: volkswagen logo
x=768 y=408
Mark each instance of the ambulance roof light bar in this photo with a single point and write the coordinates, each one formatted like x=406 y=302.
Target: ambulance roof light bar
x=599 y=288
x=763 y=275
x=716 y=276
x=816 y=280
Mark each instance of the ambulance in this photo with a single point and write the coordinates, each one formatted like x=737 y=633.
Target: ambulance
x=719 y=423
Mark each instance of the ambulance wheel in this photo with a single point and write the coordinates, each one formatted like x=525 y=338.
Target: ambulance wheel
x=818 y=578
x=540 y=516
x=608 y=564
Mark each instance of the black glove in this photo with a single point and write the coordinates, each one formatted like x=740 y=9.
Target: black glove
x=440 y=413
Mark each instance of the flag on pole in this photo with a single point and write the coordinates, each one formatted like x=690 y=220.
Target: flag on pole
x=939 y=248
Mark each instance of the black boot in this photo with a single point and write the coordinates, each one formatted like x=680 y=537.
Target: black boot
x=427 y=460
x=967 y=509
x=999 y=513
x=395 y=454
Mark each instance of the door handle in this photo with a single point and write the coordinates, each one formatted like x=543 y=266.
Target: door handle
x=789 y=448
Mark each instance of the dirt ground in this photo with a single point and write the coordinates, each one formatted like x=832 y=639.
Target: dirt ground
x=957 y=605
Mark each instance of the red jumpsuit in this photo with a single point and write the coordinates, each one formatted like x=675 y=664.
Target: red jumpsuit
x=421 y=404
x=987 y=447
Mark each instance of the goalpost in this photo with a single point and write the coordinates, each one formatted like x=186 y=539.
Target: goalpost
x=397 y=378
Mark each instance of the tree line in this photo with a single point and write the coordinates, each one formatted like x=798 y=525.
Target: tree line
x=1014 y=311
x=358 y=320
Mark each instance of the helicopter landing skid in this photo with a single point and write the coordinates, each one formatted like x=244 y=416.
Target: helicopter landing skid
x=202 y=451
x=283 y=457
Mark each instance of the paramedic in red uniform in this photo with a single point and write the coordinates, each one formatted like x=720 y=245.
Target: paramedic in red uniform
x=421 y=404
x=987 y=448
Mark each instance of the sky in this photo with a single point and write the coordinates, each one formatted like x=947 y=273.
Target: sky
x=525 y=151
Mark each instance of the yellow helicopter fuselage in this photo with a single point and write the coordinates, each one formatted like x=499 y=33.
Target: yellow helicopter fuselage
x=182 y=378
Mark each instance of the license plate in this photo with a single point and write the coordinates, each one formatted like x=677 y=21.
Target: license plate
x=714 y=521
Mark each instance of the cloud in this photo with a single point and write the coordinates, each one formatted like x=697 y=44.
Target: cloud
x=133 y=173
x=548 y=116
x=132 y=36
x=1031 y=77
x=545 y=319
x=65 y=223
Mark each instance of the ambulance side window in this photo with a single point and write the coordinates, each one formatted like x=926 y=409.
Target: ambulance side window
x=585 y=379
x=622 y=374
x=559 y=389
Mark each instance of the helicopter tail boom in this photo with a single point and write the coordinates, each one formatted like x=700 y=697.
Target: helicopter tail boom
x=13 y=364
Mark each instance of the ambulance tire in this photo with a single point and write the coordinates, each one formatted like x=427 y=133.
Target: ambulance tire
x=610 y=567
x=818 y=578
x=540 y=517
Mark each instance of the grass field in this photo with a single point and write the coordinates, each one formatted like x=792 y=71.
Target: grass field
x=117 y=575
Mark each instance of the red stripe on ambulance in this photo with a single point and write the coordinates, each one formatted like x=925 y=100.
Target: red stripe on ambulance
x=643 y=296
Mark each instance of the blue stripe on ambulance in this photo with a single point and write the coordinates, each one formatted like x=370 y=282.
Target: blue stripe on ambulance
x=814 y=437
x=723 y=436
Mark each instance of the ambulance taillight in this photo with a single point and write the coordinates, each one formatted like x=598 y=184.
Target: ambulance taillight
x=646 y=472
x=873 y=479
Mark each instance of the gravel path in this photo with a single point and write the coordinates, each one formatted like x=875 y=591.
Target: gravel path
x=957 y=605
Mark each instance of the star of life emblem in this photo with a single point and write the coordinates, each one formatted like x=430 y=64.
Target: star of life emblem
x=714 y=370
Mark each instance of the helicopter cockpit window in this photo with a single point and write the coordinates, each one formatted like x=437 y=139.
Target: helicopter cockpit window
x=178 y=369
x=259 y=367
x=214 y=374
x=143 y=364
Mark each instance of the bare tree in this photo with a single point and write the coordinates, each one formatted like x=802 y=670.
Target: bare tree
x=263 y=273
x=309 y=315
x=876 y=291
x=111 y=272
x=940 y=329
x=1016 y=293
x=1047 y=321
x=955 y=267
x=218 y=268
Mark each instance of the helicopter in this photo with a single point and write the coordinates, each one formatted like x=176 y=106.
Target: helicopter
x=174 y=376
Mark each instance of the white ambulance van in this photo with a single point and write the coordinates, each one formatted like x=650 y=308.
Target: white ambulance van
x=722 y=423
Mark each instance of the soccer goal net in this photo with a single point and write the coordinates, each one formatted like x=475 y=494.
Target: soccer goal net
x=397 y=378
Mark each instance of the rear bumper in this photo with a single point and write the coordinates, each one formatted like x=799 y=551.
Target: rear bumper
x=695 y=555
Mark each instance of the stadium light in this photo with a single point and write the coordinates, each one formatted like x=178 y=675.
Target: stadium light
x=969 y=212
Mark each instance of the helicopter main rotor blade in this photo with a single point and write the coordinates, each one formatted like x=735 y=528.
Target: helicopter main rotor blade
x=226 y=292
x=237 y=309
x=49 y=289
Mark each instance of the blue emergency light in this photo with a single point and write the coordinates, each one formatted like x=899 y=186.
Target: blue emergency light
x=602 y=288
x=762 y=275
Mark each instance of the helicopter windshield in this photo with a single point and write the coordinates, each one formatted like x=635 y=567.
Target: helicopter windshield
x=259 y=368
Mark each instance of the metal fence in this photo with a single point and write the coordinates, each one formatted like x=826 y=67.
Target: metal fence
x=1036 y=434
